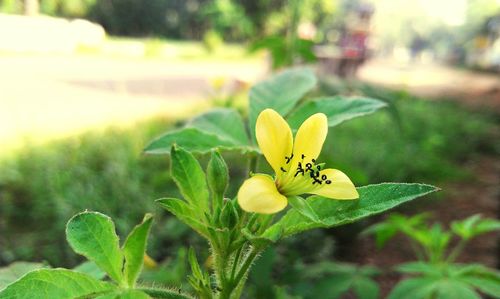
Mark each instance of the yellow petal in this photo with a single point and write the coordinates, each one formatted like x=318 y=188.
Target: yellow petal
x=259 y=194
x=310 y=138
x=341 y=186
x=274 y=137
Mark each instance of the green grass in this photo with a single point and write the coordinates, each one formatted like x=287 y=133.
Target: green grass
x=177 y=50
x=41 y=187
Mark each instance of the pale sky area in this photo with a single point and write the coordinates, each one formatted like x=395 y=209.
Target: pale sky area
x=451 y=12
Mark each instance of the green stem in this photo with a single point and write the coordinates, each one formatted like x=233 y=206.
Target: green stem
x=418 y=252
x=456 y=251
x=246 y=264
x=235 y=262
x=252 y=163
x=219 y=260
x=227 y=288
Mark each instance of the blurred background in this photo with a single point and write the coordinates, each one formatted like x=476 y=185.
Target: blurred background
x=85 y=84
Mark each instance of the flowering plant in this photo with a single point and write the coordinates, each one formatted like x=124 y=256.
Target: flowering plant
x=237 y=229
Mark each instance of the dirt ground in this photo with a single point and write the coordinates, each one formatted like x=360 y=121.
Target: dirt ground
x=462 y=199
x=436 y=81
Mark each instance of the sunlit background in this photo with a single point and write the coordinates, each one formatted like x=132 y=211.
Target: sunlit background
x=85 y=84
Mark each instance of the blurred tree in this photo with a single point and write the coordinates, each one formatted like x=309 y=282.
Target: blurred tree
x=228 y=19
x=170 y=18
x=11 y=6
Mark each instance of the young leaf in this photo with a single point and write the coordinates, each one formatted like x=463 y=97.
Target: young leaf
x=280 y=92
x=55 y=284
x=366 y=288
x=474 y=226
x=373 y=199
x=482 y=278
x=93 y=235
x=453 y=289
x=134 y=249
x=218 y=178
x=190 y=178
x=184 y=213
x=486 y=285
x=226 y=123
x=229 y=215
x=414 y=288
x=16 y=270
x=192 y=139
x=195 y=267
x=338 y=109
x=383 y=232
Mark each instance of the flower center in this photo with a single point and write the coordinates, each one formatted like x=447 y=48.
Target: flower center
x=299 y=176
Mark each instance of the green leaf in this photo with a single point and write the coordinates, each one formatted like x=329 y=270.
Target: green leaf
x=226 y=123
x=280 y=92
x=397 y=223
x=302 y=206
x=190 y=179
x=414 y=288
x=184 y=213
x=55 y=284
x=134 y=250
x=366 y=288
x=474 y=226
x=373 y=199
x=333 y=285
x=338 y=109
x=193 y=140
x=487 y=285
x=93 y=235
x=453 y=289
x=485 y=279
x=217 y=178
x=195 y=266
x=91 y=269
x=383 y=232
x=16 y=270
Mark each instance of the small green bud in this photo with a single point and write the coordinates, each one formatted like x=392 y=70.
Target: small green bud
x=229 y=216
x=217 y=177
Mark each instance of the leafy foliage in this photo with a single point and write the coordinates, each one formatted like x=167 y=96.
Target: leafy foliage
x=93 y=235
x=223 y=128
x=436 y=274
x=55 y=283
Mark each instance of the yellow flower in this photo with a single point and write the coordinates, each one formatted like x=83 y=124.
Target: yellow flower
x=295 y=166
